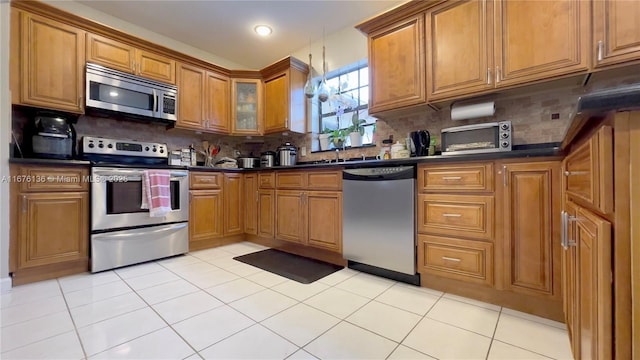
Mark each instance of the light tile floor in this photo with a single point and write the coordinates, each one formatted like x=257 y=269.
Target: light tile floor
x=207 y=305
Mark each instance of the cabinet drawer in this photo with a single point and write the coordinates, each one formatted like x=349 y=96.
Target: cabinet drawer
x=588 y=171
x=456 y=215
x=290 y=180
x=324 y=180
x=205 y=180
x=266 y=180
x=464 y=260
x=473 y=177
x=42 y=178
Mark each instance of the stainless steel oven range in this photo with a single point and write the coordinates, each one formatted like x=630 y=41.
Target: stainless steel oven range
x=121 y=232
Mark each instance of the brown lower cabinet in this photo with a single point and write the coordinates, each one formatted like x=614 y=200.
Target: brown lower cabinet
x=49 y=222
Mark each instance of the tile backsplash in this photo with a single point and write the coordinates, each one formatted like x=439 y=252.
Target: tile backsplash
x=529 y=112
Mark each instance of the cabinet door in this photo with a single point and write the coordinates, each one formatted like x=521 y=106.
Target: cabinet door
x=156 y=67
x=538 y=40
x=52 y=71
x=246 y=107
x=276 y=103
x=218 y=99
x=205 y=215
x=397 y=65
x=569 y=278
x=266 y=213
x=616 y=31
x=53 y=227
x=593 y=271
x=290 y=216
x=250 y=200
x=110 y=53
x=531 y=239
x=324 y=225
x=459 y=48
x=190 y=97
x=232 y=204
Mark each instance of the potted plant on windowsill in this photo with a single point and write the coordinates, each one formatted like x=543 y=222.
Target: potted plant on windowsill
x=324 y=138
x=356 y=130
x=338 y=137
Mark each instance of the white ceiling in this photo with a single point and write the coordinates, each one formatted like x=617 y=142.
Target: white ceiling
x=225 y=28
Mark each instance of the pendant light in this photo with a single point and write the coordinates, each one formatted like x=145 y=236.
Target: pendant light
x=323 y=88
x=309 y=86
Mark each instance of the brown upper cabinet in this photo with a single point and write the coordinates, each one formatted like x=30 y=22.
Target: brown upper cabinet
x=469 y=51
x=459 y=48
x=397 y=65
x=47 y=63
x=285 y=103
x=203 y=100
x=616 y=32
x=538 y=40
x=120 y=56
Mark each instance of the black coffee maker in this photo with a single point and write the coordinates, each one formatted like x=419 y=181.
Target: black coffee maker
x=420 y=141
x=50 y=135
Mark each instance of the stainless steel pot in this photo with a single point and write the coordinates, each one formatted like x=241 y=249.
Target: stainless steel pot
x=248 y=162
x=287 y=154
x=268 y=159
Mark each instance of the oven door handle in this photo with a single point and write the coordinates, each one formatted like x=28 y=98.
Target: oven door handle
x=134 y=174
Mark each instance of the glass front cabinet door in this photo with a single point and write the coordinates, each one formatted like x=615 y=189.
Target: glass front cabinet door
x=247 y=107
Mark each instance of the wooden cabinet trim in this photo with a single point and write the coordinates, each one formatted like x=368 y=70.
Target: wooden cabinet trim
x=205 y=180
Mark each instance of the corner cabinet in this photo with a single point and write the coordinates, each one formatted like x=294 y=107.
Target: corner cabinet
x=616 y=32
x=51 y=72
x=49 y=222
x=246 y=107
x=538 y=40
x=397 y=65
x=529 y=234
x=285 y=103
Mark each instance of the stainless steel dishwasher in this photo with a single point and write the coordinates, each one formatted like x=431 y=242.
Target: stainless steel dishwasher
x=378 y=221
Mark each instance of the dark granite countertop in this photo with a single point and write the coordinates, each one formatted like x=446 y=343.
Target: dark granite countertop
x=519 y=151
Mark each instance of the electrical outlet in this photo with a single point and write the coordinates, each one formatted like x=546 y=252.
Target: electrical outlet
x=303 y=151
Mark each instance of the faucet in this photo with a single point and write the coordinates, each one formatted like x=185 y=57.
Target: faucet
x=337 y=155
x=363 y=158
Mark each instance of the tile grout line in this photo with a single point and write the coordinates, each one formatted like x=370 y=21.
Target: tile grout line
x=495 y=329
x=75 y=328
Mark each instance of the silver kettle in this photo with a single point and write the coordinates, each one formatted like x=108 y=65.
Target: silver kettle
x=287 y=154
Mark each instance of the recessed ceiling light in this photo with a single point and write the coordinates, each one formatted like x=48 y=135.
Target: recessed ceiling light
x=262 y=30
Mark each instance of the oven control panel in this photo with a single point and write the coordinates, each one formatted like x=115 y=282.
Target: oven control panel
x=104 y=146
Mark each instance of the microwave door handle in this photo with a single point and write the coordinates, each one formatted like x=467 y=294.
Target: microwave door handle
x=155 y=101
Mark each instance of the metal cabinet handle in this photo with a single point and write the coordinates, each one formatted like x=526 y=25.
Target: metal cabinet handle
x=568 y=242
x=24 y=203
x=133 y=66
x=563 y=230
x=488 y=76
x=568 y=173
x=286 y=122
x=446 y=258
x=600 y=50
x=504 y=176
x=451 y=215
x=451 y=178
x=257 y=196
x=497 y=74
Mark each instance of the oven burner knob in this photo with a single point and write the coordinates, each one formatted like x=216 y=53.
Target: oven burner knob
x=154 y=150
x=504 y=135
x=91 y=146
x=504 y=126
x=161 y=150
x=110 y=146
x=101 y=145
x=146 y=148
x=504 y=144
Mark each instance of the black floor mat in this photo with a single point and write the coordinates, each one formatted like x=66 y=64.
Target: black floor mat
x=298 y=268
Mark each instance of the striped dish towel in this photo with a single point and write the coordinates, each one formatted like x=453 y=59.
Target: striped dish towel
x=156 y=193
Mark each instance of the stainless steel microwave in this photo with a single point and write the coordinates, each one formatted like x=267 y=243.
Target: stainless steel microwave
x=112 y=90
x=478 y=138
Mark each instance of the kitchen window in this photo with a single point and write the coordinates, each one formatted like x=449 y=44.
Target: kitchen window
x=349 y=93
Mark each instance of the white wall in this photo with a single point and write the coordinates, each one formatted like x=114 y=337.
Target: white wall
x=344 y=47
x=135 y=30
x=5 y=135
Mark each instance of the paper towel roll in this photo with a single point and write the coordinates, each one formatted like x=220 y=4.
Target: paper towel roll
x=470 y=111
